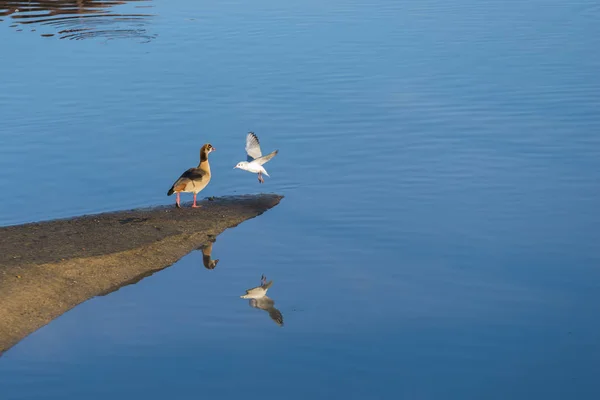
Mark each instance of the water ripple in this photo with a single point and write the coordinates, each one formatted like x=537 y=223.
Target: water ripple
x=77 y=20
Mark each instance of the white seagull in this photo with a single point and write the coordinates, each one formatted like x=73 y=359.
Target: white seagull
x=255 y=160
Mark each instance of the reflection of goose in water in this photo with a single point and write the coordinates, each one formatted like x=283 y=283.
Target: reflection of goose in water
x=206 y=260
x=79 y=19
x=259 y=299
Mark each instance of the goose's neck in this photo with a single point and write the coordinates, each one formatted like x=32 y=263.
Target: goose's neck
x=204 y=165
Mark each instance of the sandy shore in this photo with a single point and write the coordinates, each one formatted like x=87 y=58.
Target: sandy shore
x=49 y=267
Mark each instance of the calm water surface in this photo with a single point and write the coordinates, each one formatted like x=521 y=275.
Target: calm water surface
x=441 y=167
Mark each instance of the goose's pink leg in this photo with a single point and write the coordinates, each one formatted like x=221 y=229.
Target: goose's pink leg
x=195 y=205
x=177 y=201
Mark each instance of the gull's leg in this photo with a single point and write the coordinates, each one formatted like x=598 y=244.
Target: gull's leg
x=260 y=178
x=177 y=201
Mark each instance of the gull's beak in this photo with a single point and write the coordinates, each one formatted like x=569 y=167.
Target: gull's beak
x=235 y=167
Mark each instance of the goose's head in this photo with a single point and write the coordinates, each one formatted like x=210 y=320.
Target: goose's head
x=207 y=148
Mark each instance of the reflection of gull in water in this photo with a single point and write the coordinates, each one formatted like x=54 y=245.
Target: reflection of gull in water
x=267 y=304
x=206 y=254
x=259 y=299
x=259 y=291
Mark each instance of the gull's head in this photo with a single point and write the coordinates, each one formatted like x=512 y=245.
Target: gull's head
x=242 y=165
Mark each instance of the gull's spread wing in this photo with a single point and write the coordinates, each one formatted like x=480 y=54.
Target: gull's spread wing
x=262 y=160
x=252 y=146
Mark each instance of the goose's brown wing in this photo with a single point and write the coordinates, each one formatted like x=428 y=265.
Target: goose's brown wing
x=195 y=175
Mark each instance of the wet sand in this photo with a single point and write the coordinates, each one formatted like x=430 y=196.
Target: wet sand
x=49 y=267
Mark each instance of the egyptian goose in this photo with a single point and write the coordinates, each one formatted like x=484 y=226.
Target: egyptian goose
x=194 y=179
x=255 y=159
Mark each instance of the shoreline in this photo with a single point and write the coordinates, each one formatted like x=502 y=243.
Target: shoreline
x=47 y=268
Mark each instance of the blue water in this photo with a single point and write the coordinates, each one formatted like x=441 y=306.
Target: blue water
x=441 y=167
